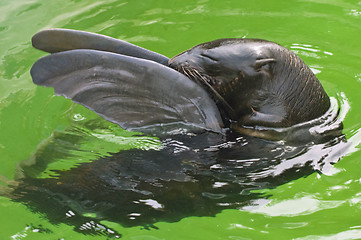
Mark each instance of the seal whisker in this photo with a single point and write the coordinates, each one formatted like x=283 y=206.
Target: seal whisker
x=206 y=81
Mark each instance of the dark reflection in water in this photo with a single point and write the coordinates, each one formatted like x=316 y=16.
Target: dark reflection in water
x=193 y=175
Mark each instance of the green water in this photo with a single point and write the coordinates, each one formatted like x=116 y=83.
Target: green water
x=326 y=34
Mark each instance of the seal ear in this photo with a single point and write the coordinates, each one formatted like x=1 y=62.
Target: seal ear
x=263 y=62
x=58 y=40
x=137 y=94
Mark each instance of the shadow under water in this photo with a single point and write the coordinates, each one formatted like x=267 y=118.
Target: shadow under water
x=191 y=175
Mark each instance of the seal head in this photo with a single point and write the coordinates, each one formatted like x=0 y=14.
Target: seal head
x=255 y=82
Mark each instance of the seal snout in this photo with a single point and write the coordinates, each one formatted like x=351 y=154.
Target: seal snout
x=181 y=61
x=191 y=59
x=175 y=63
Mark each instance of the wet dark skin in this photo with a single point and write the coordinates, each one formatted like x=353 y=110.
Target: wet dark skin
x=255 y=82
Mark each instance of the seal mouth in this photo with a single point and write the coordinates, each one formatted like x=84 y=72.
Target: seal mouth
x=207 y=82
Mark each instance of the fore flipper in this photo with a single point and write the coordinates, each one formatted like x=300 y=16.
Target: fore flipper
x=58 y=40
x=135 y=93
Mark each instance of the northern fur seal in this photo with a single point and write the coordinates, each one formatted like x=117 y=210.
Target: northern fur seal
x=239 y=83
x=193 y=174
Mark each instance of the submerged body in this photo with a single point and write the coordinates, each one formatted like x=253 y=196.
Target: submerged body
x=192 y=175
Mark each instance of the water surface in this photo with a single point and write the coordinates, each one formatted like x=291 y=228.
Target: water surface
x=319 y=205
